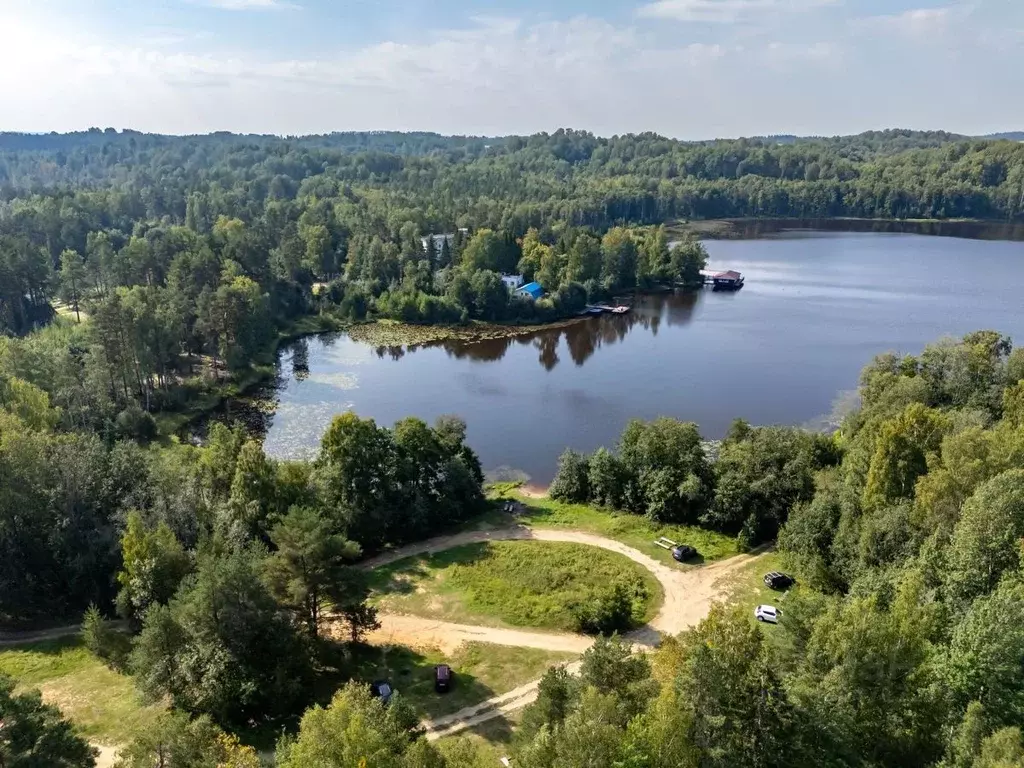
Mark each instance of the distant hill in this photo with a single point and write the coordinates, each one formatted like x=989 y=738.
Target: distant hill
x=938 y=137
x=1009 y=135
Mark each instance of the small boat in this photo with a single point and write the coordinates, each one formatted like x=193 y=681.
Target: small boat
x=620 y=310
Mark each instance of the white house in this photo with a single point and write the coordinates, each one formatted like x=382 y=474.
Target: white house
x=439 y=241
x=512 y=281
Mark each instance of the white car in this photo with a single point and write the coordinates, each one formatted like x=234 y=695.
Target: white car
x=767 y=613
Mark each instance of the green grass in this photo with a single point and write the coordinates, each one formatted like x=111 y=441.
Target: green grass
x=746 y=587
x=481 y=671
x=101 y=702
x=634 y=530
x=510 y=583
x=491 y=739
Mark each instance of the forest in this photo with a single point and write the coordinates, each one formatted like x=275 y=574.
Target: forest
x=141 y=276
x=899 y=647
x=175 y=263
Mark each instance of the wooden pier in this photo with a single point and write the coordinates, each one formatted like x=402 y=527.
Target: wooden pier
x=600 y=309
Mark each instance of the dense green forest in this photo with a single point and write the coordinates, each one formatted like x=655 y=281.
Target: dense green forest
x=139 y=273
x=185 y=257
x=900 y=646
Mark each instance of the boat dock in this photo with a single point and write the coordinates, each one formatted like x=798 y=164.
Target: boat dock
x=600 y=309
x=730 y=279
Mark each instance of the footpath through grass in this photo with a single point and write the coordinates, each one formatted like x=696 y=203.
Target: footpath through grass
x=104 y=704
x=634 y=530
x=529 y=584
x=482 y=671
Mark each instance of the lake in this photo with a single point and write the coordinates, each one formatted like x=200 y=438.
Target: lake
x=817 y=306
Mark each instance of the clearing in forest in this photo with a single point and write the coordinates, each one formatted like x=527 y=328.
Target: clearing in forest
x=535 y=584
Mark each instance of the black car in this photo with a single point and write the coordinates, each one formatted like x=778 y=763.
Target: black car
x=777 y=580
x=381 y=689
x=442 y=678
x=684 y=552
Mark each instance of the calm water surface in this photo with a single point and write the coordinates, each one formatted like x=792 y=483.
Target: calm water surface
x=784 y=350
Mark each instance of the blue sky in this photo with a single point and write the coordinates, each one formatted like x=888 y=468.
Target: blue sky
x=685 y=68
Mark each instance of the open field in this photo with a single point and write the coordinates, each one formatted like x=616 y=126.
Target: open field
x=510 y=583
x=481 y=671
x=101 y=702
x=634 y=530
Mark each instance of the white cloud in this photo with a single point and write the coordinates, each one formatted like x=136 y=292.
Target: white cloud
x=915 y=22
x=248 y=5
x=500 y=75
x=724 y=11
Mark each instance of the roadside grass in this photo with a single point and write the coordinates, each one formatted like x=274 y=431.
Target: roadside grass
x=746 y=587
x=482 y=670
x=491 y=739
x=746 y=590
x=528 y=584
x=633 y=530
x=102 y=703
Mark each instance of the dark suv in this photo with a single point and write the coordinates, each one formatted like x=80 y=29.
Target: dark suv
x=777 y=580
x=684 y=552
x=442 y=678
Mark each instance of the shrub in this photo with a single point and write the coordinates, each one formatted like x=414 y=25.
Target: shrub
x=572 y=482
x=605 y=612
x=104 y=641
x=133 y=423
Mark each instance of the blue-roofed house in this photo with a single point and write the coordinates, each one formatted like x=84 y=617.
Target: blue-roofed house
x=533 y=290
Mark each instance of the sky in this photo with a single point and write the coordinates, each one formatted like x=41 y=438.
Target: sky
x=692 y=69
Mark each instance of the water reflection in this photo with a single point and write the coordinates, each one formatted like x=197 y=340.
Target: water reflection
x=300 y=358
x=582 y=338
x=974 y=230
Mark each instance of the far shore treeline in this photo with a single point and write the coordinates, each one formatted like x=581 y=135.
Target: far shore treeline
x=179 y=261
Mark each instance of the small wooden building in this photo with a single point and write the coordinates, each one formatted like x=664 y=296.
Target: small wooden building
x=729 y=280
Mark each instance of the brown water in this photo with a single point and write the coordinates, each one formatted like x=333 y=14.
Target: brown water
x=816 y=307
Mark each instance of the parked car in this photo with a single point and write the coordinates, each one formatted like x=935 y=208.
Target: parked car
x=442 y=678
x=684 y=552
x=778 y=580
x=768 y=613
x=381 y=689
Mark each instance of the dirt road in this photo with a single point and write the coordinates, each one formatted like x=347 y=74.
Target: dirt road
x=446 y=636
x=689 y=595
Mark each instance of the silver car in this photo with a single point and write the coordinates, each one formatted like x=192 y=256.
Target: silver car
x=768 y=613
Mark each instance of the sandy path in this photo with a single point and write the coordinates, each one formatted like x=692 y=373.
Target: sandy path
x=689 y=595
x=19 y=637
x=107 y=756
x=515 y=699
x=446 y=636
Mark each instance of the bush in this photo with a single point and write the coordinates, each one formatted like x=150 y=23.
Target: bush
x=133 y=423
x=103 y=641
x=572 y=482
x=605 y=612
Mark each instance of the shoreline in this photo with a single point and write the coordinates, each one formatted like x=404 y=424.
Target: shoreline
x=754 y=227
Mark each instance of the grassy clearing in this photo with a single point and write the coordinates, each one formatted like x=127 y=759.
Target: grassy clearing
x=101 y=702
x=746 y=587
x=634 y=530
x=510 y=583
x=492 y=739
x=481 y=672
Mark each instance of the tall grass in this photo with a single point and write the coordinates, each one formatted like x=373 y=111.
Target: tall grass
x=530 y=584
